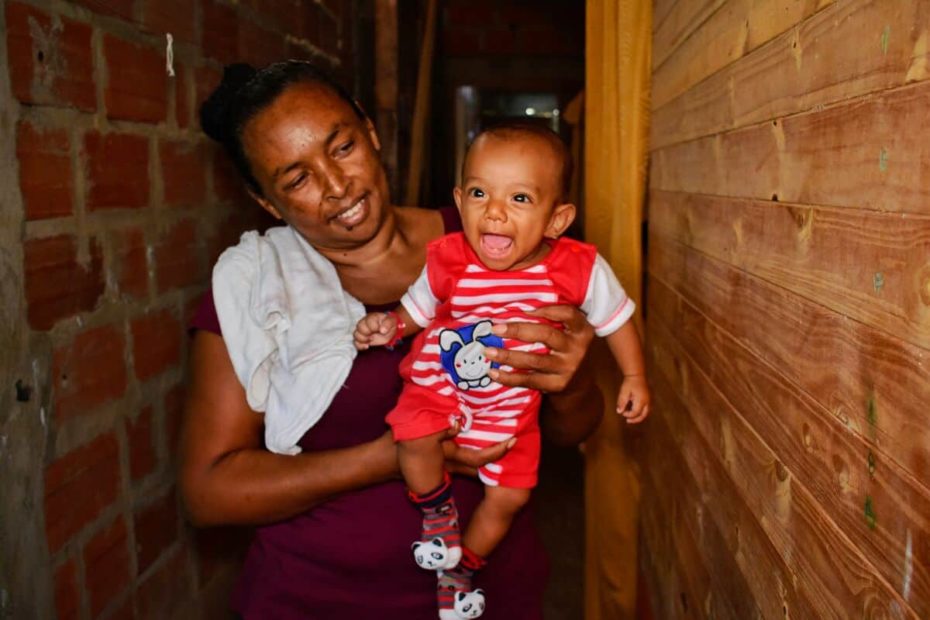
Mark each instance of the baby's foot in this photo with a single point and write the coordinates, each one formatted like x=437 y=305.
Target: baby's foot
x=435 y=555
x=457 y=601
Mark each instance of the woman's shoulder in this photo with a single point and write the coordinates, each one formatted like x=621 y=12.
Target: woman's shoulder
x=429 y=223
x=205 y=317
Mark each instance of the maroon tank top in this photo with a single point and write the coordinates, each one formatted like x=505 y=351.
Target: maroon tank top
x=350 y=558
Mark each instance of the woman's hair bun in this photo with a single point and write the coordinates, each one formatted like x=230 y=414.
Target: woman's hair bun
x=216 y=112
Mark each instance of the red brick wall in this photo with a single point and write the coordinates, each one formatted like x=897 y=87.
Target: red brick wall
x=114 y=208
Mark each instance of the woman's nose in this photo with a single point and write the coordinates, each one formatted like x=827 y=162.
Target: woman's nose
x=336 y=185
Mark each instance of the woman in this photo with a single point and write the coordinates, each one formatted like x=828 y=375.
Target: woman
x=335 y=523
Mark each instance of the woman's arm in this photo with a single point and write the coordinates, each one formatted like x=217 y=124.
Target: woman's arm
x=574 y=405
x=570 y=416
x=227 y=476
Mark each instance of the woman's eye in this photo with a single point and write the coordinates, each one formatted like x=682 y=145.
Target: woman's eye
x=346 y=147
x=296 y=182
x=476 y=192
x=522 y=198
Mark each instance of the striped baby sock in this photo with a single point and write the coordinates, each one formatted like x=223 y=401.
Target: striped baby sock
x=440 y=545
x=457 y=601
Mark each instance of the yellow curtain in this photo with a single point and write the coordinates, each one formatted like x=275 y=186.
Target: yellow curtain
x=618 y=62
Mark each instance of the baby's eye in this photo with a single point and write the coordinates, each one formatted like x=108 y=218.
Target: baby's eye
x=476 y=192
x=522 y=198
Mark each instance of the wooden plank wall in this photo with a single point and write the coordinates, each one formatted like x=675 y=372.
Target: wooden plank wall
x=787 y=467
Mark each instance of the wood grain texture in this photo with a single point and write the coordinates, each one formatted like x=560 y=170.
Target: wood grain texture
x=660 y=11
x=847 y=50
x=866 y=153
x=710 y=582
x=834 y=572
x=716 y=500
x=683 y=595
x=870 y=266
x=680 y=22
x=838 y=468
x=733 y=30
x=658 y=560
x=655 y=557
x=855 y=371
x=788 y=301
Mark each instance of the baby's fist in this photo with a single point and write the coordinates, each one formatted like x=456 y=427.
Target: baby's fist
x=375 y=329
x=633 y=400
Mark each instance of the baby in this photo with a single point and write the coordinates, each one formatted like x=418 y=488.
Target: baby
x=508 y=261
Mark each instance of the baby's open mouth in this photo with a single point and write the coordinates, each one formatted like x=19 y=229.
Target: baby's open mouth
x=496 y=246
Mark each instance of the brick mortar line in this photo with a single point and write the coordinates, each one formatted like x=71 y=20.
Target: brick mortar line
x=77 y=430
x=25 y=588
x=158 y=219
x=115 y=311
x=111 y=308
x=133 y=30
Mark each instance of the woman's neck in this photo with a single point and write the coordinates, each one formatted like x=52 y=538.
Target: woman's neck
x=389 y=240
x=381 y=270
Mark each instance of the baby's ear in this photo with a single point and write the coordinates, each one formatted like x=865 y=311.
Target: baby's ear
x=562 y=217
x=457 y=196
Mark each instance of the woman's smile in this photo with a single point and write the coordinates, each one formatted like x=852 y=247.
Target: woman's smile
x=355 y=214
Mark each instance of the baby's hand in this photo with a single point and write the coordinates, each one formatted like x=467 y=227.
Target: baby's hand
x=375 y=330
x=633 y=400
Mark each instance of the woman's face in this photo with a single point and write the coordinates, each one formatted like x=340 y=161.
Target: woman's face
x=318 y=166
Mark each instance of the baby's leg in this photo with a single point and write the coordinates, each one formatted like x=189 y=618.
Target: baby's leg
x=489 y=524
x=422 y=462
x=493 y=517
x=430 y=489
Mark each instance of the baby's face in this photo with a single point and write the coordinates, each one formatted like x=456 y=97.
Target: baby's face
x=508 y=200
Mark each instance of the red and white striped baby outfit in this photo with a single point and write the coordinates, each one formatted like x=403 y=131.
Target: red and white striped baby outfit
x=455 y=293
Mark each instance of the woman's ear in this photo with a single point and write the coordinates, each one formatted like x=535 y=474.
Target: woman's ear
x=266 y=205
x=562 y=217
x=373 y=134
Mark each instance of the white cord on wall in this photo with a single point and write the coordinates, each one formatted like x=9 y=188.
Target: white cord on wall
x=169 y=55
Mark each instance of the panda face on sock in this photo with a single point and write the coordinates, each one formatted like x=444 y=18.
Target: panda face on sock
x=431 y=555
x=469 y=604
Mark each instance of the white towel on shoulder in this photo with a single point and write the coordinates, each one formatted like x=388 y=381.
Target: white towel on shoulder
x=288 y=326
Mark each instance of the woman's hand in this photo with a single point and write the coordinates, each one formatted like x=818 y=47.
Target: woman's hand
x=466 y=461
x=459 y=460
x=574 y=405
x=551 y=372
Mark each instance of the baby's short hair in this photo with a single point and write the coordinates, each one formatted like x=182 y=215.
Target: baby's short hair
x=517 y=128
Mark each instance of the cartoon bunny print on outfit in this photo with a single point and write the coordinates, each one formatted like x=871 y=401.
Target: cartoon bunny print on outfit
x=464 y=359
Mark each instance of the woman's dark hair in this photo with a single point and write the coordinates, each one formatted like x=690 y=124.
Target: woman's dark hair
x=246 y=91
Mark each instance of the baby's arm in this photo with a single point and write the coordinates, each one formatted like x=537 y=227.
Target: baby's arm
x=378 y=329
x=633 y=400
x=610 y=311
x=381 y=328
